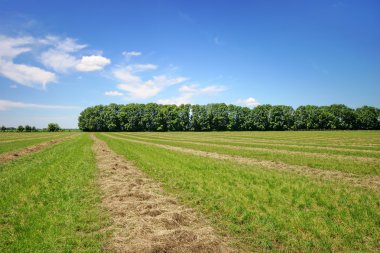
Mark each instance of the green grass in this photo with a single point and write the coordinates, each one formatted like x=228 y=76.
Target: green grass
x=49 y=201
x=368 y=140
x=264 y=210
x=19 y=144
x=326 y=163
x=273 y=146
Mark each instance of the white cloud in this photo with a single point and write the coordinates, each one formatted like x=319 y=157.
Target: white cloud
x=139 y=89
x=150 y=88
x=196 y=90
x=250 y=102
x=7 y=104
x=68 y=45
x=187 y=92
x=58 y=60
x=142 y=67
x=92 y=63
x=23 y=74
x=182 y=99
x=131 y=54
x=113 y=93
x=59 y=55
x=12 y=47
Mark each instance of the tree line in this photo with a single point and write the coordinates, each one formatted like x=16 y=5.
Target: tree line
x=52 y=127
x=222 y=117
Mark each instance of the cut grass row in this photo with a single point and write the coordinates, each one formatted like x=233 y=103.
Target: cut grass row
x=330 y=137
x=273 y=147
x=49 y=201
x=21 y=136
x=325 y=163
x=253 y=140
x=14 y=146
x=261 y=209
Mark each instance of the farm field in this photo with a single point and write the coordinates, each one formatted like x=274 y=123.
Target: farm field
x=16 y=141
x=260 y=191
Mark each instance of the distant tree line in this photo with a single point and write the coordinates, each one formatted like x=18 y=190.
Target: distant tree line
x=52 y=127
x=222 y=117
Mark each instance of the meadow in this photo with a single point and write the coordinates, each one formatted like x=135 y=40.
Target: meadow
x=264 y=191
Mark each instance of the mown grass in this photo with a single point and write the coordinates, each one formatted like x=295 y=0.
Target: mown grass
x=264 y=210
x=342 y=139
x=273 y=146
x=19 y=144
x=49 y=201
x=327 y=163
x=25 y=135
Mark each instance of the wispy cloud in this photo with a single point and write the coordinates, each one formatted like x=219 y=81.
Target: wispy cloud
x=250 y=102
x=136 y=87
x=218 y=41
x=7 y=105
x=188 y=92
x=113 y=93
x=23 y=74
x=58 y=55
x=131 y=53
x=61 y=57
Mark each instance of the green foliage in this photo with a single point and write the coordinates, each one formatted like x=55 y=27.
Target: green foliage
x=53 y=127
x=20 y=128
x=28 y=128
x=368 y=117
x=221 y=117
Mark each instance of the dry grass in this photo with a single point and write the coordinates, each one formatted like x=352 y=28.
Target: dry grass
x=144 y=218
x=31 y=149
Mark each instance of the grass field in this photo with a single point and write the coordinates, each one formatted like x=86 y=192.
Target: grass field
x=266 y=191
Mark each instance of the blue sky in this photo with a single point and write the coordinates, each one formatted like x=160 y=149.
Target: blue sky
x=58 y=57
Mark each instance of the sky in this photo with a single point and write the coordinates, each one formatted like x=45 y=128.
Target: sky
x=59 y=57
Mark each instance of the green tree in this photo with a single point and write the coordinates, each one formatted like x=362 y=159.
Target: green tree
x=260 y=117
x=53 y=127
x=307 y=117
x=28 y=128
x=368 y=117
x=3 y=128
x=20 y=128
x=199 y=118
x=342 y=117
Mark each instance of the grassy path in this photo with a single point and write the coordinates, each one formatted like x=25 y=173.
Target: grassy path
x=49 y=201
x=263 y=209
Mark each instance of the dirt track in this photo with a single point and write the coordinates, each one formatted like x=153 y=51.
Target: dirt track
x=30 y=149
x=144 y=219
x=372 y=181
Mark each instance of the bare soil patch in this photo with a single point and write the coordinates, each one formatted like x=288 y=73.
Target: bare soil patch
x=144 y=218
x=31 y=149
x=372 y=181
